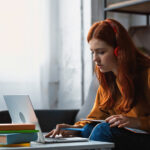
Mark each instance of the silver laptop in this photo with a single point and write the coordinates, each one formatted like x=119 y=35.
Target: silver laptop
x=21 y=111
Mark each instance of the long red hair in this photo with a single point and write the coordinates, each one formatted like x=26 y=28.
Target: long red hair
x=131 y=64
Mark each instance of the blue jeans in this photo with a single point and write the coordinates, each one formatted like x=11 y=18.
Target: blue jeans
x=123 y=139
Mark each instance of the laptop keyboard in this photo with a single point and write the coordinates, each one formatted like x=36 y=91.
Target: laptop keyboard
x=54 y=139
x=65 y=140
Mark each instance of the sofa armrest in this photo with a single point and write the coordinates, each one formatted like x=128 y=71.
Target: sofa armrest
x=49 y=118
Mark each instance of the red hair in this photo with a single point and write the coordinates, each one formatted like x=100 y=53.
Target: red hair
x=131 y=64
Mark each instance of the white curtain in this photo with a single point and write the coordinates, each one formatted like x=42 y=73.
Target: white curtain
x=25 y=50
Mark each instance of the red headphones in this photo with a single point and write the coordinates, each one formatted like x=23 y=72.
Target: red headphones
x=116 y=51
x=115 y=31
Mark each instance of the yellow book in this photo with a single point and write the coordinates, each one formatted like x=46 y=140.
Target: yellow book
x=16 y=145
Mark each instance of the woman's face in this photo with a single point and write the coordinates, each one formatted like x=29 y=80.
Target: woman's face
x=103 y=56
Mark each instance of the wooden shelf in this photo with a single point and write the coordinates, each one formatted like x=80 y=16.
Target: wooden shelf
x=130 y=6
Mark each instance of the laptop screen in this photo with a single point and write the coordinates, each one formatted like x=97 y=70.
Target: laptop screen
x=21 y=111
x=20 y=108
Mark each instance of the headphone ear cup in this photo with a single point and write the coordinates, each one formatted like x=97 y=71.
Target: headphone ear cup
x=116 y=51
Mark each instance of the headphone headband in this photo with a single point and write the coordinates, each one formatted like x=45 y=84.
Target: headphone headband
x=115 y=31
x=112 y=25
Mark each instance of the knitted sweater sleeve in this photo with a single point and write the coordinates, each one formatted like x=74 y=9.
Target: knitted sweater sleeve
x=95 y=113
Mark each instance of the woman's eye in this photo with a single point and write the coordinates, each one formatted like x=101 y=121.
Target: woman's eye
x=101 y=52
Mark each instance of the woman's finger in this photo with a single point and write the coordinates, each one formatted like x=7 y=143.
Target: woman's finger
x=49 y=134
x=114 y=119
x=108 y=118
x=111 y=117
x=58 y=130
x=115 y=124
x=123 y=125
x=66 y=133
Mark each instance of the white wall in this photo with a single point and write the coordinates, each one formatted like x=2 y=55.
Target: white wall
x=138 y=20
x=24 y=38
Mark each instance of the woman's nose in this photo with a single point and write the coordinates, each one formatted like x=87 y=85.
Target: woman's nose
x=95 y=57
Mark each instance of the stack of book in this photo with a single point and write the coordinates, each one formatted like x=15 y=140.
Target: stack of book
x=17 y=135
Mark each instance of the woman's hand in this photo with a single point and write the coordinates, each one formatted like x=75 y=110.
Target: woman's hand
x=64 y=133
x=123 y=121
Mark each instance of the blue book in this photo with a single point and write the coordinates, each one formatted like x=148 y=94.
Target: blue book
x=14 y=138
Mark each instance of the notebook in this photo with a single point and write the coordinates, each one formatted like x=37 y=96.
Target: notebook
x=21 y=111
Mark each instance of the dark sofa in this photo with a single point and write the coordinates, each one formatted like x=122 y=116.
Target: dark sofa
x=49 y=118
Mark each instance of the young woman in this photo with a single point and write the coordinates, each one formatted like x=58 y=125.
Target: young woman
x=123 y=97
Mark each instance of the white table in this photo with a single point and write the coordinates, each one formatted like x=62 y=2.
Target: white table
x=65 y=146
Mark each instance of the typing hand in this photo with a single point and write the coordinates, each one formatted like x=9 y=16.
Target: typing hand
x=64 y=133
x=123 y=121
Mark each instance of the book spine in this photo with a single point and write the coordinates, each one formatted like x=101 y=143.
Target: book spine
x=17 y=127
x=17 y=145
x=20 y=138
x=19 y=131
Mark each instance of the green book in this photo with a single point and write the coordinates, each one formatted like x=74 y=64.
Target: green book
x=19 y=131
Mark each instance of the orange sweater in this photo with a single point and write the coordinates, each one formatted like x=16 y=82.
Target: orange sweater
x=141 y=110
